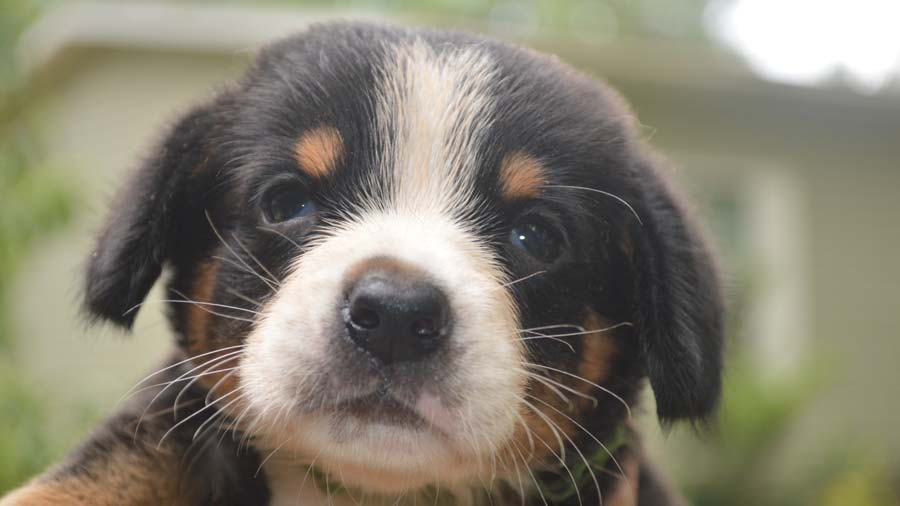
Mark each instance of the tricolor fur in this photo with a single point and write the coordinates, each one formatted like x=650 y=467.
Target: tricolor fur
x=566 y=267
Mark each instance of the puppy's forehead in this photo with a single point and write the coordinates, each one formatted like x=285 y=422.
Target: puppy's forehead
x=423 y=120
x=434 y=111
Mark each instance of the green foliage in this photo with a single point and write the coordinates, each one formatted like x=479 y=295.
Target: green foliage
x=33 y=202
x=863 y=484
x=25 y=447
x=33 y=433
x=756 y=420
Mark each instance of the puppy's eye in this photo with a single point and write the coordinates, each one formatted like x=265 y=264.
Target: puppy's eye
x=286 y=204
x=537 y=238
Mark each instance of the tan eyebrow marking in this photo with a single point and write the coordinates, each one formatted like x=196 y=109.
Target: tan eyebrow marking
x=521 y=176
x=318 y=150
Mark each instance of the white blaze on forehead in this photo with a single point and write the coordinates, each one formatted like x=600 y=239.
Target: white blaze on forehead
x=433 y=110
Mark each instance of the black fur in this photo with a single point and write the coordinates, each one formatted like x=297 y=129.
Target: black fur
x=142 y=232
x=679 y=304
x=213 y=470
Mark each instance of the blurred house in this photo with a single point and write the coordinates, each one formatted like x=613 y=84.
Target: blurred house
x=801 y=186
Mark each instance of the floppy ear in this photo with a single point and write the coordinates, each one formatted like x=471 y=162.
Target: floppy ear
x=679 y=303
x=142 y=227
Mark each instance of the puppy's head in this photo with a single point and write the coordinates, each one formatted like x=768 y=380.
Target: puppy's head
x=408 y=254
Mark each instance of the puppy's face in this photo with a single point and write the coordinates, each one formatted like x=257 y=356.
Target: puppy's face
x=416 y=257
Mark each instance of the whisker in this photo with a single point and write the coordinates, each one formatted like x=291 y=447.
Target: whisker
x=608 y=194
x=528 y=432
x=593 y=437
x=212 y=390
x=167 y=410
x=273 y=278
x=211 y=304
x=579 y=378
x=263 y=463
x=189 y=359
x=533 y=477
x=219 y=414
x=306 y=476
x=198 y=451
x=587 y=332
x=208 y=364
x=283 y=236
x=519 y=476
x=555 y=428
x=195 y=303
x=207 y=372
x=243 y=297
x=569 y=439
x=561 y=458
x=519 y=280
x=164 y=383
x=545 y=336
x=549 y=385
x=542 y=378
x=189 y=417
x=240 y=266
x=238 y=257
x=556 y=326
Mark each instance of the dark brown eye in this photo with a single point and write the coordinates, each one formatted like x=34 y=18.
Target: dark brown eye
x=537 y=238
x=286 y=204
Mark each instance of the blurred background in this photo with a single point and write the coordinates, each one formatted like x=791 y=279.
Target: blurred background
x=782 y=116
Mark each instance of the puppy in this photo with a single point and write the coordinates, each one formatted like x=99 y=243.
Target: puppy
x=403 y=266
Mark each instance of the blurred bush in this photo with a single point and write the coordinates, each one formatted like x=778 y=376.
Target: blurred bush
x=739 y=459
x=33 y=202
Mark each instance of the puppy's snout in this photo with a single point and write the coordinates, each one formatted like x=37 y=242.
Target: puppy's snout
x=395 y=313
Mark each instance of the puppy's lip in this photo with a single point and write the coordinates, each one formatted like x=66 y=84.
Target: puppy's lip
x=430 y=407
x=385 y=408
x=382 y=408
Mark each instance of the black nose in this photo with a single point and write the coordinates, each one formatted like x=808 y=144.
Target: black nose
x=396 y=316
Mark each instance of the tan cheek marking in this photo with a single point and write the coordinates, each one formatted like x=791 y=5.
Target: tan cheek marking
x=198 y=319
x=521 y=176
x=318 y=150
x=200 y=340
x=541 y=429
x=598 y=352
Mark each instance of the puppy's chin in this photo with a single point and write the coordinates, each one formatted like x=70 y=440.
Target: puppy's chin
x=379 y=458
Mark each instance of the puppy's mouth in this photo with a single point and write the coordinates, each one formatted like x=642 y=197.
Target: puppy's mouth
x=420 y=411
x=382 y=408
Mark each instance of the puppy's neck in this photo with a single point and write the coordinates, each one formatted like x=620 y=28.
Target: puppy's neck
x=291 y=483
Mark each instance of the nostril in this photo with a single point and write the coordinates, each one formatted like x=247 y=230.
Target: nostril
x=364 y=317
x=425 y=328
